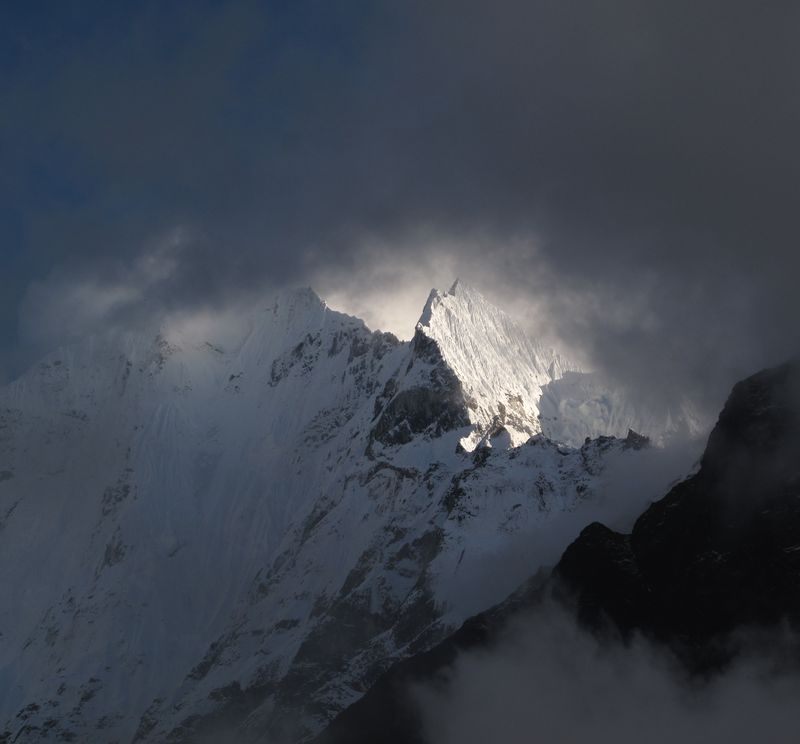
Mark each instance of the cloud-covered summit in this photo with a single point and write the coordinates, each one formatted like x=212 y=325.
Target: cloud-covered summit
x=625 y=176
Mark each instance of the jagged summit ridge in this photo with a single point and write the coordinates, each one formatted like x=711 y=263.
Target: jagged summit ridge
x=501 y=370
x=258 y=511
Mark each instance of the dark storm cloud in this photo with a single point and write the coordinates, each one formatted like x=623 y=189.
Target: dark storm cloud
x=630 y=168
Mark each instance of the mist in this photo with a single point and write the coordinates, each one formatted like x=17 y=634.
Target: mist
x=630 y=482
x=547 y=680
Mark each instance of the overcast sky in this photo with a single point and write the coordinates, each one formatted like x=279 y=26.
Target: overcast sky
x=621 y=175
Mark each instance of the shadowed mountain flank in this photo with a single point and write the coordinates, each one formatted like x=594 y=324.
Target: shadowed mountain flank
x=719 y=554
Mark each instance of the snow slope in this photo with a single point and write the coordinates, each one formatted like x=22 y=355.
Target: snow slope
x=244 y=533
x=502 y=372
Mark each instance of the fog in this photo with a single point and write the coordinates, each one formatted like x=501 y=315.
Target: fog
x=546 y=680
x=630 y=482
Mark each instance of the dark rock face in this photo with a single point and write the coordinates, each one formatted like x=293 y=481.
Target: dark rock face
x=720 y=552
x=636 y=441
x=417 y=410
x=722 y=549
x=605 y=561
x=435 y=407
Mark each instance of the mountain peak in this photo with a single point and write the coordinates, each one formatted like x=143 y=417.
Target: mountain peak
x=306 y=468
x=296 y=300
x=460 y=297
x=500 y=369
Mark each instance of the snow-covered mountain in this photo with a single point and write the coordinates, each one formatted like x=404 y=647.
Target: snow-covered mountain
x=208 y=535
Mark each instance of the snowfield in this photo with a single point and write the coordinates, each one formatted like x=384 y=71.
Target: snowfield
x=239 y=536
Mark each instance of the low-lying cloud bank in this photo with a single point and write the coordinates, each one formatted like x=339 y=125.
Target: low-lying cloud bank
x=547 y=680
